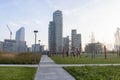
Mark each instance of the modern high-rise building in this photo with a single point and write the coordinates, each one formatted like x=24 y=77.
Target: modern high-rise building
x=20 y=34
x=20 y=40
x=56 y=32
x=58 y=22
x=66 y=44
x=76 y=41
x=1 y=46
x=52 y=41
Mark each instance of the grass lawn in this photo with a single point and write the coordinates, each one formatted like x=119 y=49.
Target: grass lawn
x=21 y=58
x=17 y=73
x=95 y=72
x=85 y=60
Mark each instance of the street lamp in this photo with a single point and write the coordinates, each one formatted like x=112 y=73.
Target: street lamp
x=35 y=31
x=39 y=41
x=39 y=44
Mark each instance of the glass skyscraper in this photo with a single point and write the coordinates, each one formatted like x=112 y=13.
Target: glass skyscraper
x=76 y=41
x=56 y=32
x=20 y=40
x=20 y=34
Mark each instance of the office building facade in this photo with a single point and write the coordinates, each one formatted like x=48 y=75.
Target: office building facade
x=66 y=44
x=20 y=40
x=1 y=46
x=76 y=42
x=10 y=45
x=55 y=33
x=14 y=46
x=20 y=34
x=52 y=41
x=38 y=49
x=96 y=48
x=18 y=45
x=58 y=22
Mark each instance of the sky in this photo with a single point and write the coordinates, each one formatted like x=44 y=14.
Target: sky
x=102 y=17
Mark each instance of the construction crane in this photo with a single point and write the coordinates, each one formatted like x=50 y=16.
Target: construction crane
x=10 y=32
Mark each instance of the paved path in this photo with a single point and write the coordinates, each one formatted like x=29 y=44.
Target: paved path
x=18 y=65
x=51 y=65
x=65 y=65
x=53 y=72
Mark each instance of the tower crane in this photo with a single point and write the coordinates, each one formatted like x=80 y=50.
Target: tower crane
x=10 y=32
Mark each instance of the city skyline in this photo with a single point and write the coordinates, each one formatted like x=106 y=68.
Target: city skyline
x=86 y=16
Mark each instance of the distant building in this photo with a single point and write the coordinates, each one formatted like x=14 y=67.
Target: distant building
x=76 y=41
x=20 y=34
x=10 y=46
x=21 y=46
x=1 y=46
x=58 y=22
x=18 y=45
x=52 y=40
x=66 y=44
x=20 y=40
x=39 y=48
x=14 y=46
x=96 y=48
x=29 y=49
x=117 y=41
x=56 y=33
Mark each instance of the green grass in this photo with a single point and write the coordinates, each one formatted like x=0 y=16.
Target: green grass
x=17 y=73
x=21 y=58
x=86 y=60
x=95 y=72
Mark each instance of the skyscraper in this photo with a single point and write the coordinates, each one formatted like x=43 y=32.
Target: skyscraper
x=55 y=32
x=1 y=46
x=20 y=34
x=76 y=41
x=20 y=40
x=66 y=44
x=57 y=19
x=52 y=41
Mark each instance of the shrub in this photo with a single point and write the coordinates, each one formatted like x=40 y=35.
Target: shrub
x=95 y=72
x=21 y=58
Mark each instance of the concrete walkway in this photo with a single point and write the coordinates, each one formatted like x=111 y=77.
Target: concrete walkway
x=51 y=65
x=18 y=65
x=54 y=72
x=67 y=65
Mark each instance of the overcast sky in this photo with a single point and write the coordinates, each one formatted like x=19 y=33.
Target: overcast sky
x=101 y=17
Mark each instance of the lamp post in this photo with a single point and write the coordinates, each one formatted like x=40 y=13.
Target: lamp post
x=35 y=32
x=39 y=44
x=39 y=41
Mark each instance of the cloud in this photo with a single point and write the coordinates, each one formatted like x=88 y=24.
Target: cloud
x=98 y=16
x=62 y=4
x=13 y=24
x=51 y=4
x=28 y=22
